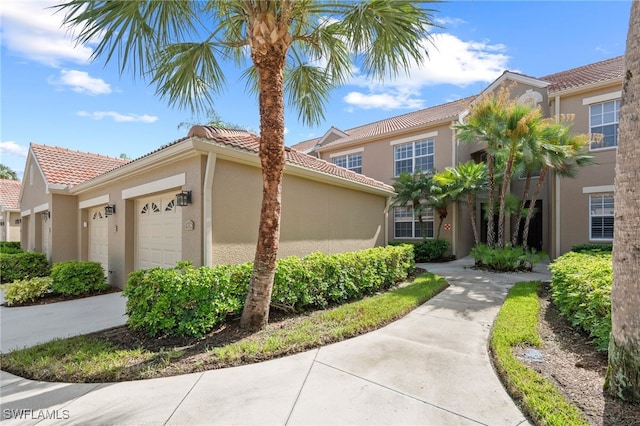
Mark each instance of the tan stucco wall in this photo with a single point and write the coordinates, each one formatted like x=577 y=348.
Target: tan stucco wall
x=63 y=234
x=10 y=231
x=315 y=216
x=33 y=195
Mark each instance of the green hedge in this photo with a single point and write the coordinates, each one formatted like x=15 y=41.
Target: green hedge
x=192 y=301
x=581 y=289
x=427 y=250
x=75 y=278
x=20 y=266
x=589 y=248
x=22 y=291
x=10 y=247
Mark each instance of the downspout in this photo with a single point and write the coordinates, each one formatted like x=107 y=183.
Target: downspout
x=557 y=191
x=207 y=206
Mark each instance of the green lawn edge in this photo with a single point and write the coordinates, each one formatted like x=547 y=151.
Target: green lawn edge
x=83 y=359
x=517 y=325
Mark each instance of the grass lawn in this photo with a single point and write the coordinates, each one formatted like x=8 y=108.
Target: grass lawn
x=121 y=354
x=516 y=325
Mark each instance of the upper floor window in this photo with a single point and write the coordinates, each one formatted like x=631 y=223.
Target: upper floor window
x=603 y=121
x=601 y=216
x=413 y=156
x=350 y=161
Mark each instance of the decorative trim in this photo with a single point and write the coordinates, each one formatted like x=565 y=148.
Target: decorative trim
x=155 y=186
x=103 y=199
x=41 y=208
x=341 y=153
x=24 y=213
x=414 y=138
x=602 y=98
x=597 y=189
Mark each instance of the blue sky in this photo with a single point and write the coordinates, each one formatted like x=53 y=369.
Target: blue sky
x=52 y=95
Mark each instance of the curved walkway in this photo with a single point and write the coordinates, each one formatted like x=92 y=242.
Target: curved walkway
x=430 y=368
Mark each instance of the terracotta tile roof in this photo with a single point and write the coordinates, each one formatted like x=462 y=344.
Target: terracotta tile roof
x=9 y=193
x=68 y=167
x=611 y=69
x=413 y=119
x=250 y=142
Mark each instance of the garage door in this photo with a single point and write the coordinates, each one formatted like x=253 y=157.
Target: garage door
x=99 y=237
x=158 y=232
x=46 y=233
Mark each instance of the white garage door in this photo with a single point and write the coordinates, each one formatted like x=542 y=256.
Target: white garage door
x=159 y=234
x=99 y=237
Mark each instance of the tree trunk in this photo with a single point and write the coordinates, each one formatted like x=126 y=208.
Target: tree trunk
x=269 y=58
x=532 y=204
x=623 y=375
x=525 y=197
x=472 y=214
x=491 y=233
x=442 y=215
x=506 y=181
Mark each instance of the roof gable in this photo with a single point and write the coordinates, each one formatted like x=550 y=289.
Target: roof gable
x=608 y=70
x=62 y=166
x=9 y=193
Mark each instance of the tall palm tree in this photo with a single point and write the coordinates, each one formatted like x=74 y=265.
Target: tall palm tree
x=180 y=45
x=464 y=182
x=623 y=377
x=411 y=190
x=7 y=173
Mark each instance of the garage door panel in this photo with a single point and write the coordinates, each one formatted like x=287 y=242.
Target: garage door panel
x=159 y=232
x=98 y=237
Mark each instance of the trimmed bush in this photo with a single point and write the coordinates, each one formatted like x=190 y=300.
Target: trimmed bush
x=10 y=247
x=21 y=266
x=189 y=301
x=505 y=259
x=588 y=248
x=427 y=250
x=75 y=278
x=28 y=290
x=581 y=289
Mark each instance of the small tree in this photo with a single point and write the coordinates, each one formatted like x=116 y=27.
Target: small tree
x=410 y=191
x=7 y=173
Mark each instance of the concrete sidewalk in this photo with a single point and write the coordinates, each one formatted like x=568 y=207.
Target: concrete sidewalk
x=429 y=368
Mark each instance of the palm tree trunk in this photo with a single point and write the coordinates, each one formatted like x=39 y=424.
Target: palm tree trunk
x=472 y=214
x=506 y=181
x=623 y=375
x=532 y=203
x=491 y=233
x=525 y=196
x=442 y=215
x=255 y=314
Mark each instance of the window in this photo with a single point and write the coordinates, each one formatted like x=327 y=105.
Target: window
x=413 y=156
x=408 y=226
x=601 y=216
x=603 y=121
x=351 y=161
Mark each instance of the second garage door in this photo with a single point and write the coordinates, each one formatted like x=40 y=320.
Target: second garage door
x=99 y=237
x=158 y=232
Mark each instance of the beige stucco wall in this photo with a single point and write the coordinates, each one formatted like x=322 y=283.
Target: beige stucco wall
x=10 y=231
x=315 y=216
x=33 y=195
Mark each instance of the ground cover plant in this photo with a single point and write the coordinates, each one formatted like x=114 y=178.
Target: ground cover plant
x=505 y=259
x=121 y=353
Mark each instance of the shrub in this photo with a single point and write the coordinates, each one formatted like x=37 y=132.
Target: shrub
x=588 y=248
x=430 y=250
x=28 y=290
x=188 y=301
x=505 y=259
x=20 y=266
x=10 y=247
x=581 y=289
x=76 y=278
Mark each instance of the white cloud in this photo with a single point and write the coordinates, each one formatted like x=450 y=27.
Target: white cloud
x=12 y=148
x=116 y=116
x=451 y=61
x=447 y=20
x=81 y=82
x=33 y=30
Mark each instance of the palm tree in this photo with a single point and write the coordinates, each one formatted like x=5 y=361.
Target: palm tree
x=179 y=46
x=410 y=190
x=438 y=197
x=464 y=182
x=623 y=379
x=7 y=173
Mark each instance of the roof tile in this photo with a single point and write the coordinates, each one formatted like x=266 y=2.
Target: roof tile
x=9 y=193
x=611 y=69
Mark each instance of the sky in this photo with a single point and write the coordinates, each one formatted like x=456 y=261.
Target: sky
x=51 y=94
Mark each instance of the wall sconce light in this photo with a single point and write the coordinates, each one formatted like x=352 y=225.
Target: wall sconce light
x=183 y=199
x=18 y=221
x=109 y=209
x=1 y=222
x=45 y=216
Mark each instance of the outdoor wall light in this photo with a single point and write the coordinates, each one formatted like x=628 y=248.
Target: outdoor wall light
x=183 y=199
x=109 y=209
x=18 y=221
x=45 y=216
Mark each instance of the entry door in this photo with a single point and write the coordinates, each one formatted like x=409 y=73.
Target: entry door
x=158 y=232
x=99 y=237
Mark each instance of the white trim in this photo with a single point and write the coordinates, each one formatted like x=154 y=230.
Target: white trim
x=24 y=213
x=41 y=208
x=597 y=189
x=341 y=153
x=155 y=186
x=103 y=199
x=414 y=138
x=602 y=98
x=207 y=206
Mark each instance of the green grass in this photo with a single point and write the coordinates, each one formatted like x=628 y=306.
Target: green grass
x=86 y=359
x=516 y=325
